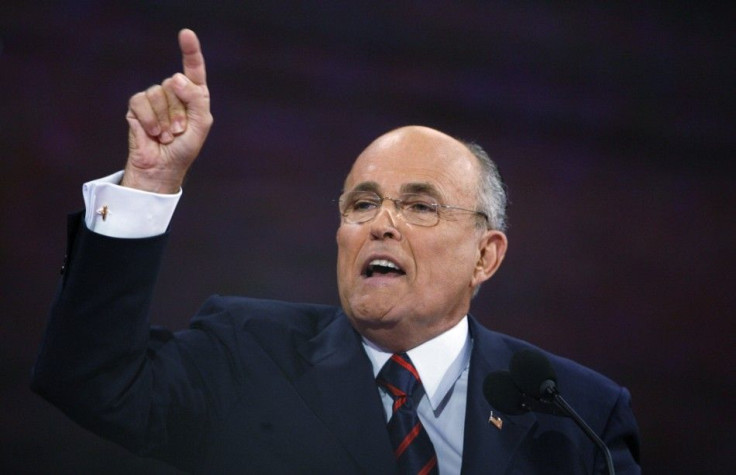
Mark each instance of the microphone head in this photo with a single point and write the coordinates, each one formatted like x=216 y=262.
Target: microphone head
x=501 y=392
x=532 y=373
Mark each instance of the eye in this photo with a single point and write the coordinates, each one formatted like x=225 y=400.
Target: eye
x=363 y=204
x=419 y=205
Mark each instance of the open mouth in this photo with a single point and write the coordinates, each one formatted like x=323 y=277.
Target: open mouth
x=382 y=267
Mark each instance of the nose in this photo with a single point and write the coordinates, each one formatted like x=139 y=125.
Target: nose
x=383 y=226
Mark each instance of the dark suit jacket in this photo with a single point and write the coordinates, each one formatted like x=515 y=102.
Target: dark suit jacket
x=257 y=386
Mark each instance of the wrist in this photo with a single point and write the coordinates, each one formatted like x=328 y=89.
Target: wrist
x=151 y=181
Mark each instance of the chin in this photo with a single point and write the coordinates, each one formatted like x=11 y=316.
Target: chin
x=369 y=315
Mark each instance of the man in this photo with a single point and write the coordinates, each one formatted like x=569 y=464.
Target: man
x=259 y=386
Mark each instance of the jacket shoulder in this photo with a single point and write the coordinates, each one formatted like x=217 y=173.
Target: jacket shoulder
x=578 y=383
x=256 y=315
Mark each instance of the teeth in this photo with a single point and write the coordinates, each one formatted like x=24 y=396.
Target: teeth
x=383 y=263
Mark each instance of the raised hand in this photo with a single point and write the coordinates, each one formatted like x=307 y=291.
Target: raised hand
x=169 y=123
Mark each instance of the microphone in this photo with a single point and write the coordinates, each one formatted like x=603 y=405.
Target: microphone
x=533 y=375
x=500 y=390
x=503 y=394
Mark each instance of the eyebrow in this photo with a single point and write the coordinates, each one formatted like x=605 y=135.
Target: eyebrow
x=367 y=186
x=423 y=188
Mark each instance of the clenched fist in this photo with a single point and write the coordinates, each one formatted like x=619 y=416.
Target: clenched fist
x=169 y=123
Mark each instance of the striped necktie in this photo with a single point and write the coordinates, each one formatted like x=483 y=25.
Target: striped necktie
x=413 y=450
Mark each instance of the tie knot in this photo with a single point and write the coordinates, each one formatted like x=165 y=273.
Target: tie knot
x=399 y=376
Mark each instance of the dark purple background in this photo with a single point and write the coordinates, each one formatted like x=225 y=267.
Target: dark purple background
x=613 y=126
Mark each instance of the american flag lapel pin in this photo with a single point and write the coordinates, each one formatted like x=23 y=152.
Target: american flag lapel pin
x=495 y=420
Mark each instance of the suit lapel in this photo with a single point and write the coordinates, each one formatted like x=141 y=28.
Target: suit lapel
x=340 y=389
x=486 y=448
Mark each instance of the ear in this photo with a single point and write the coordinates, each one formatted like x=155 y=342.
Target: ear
x=491 y=251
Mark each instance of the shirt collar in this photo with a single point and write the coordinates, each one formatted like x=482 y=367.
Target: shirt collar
x=439 y=361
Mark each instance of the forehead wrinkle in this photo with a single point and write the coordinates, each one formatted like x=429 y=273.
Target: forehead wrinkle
x=366 y=186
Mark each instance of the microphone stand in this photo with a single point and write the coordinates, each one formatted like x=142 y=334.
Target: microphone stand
x=551 y=394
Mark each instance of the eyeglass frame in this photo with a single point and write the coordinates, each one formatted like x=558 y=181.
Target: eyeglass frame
x=400 y=211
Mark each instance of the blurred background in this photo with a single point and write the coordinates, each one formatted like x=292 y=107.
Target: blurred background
x=612 y=122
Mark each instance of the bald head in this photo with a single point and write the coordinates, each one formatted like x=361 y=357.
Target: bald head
x=415 y=141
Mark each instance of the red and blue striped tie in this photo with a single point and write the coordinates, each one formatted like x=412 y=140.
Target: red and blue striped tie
x=413 y=450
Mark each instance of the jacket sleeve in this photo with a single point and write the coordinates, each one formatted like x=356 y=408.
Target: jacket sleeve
x=101 y=364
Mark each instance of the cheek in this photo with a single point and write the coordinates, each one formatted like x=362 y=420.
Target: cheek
x=448 y=262
x=346 y=250
x=342 y=238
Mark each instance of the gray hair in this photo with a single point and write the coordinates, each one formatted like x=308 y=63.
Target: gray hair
x=492 y=199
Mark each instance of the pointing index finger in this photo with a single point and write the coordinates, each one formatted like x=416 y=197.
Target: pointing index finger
x=192 y=58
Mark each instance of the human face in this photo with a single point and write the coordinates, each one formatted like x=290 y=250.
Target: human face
x=436 y=268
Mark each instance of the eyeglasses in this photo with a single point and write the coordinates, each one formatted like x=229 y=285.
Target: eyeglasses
x=419 y=209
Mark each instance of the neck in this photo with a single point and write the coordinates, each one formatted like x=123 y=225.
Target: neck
x=397 y=339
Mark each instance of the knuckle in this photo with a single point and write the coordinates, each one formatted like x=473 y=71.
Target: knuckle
x=168 y=87
x=136 y=99
x=155 y=89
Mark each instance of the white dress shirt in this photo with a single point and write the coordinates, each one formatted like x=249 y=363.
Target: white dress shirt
x=122 y=212
x=442 y=364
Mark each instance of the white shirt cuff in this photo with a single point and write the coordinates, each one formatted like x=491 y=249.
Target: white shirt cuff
x=121 y=212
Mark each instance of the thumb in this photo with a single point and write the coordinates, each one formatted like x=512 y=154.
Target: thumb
x=196 y=99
